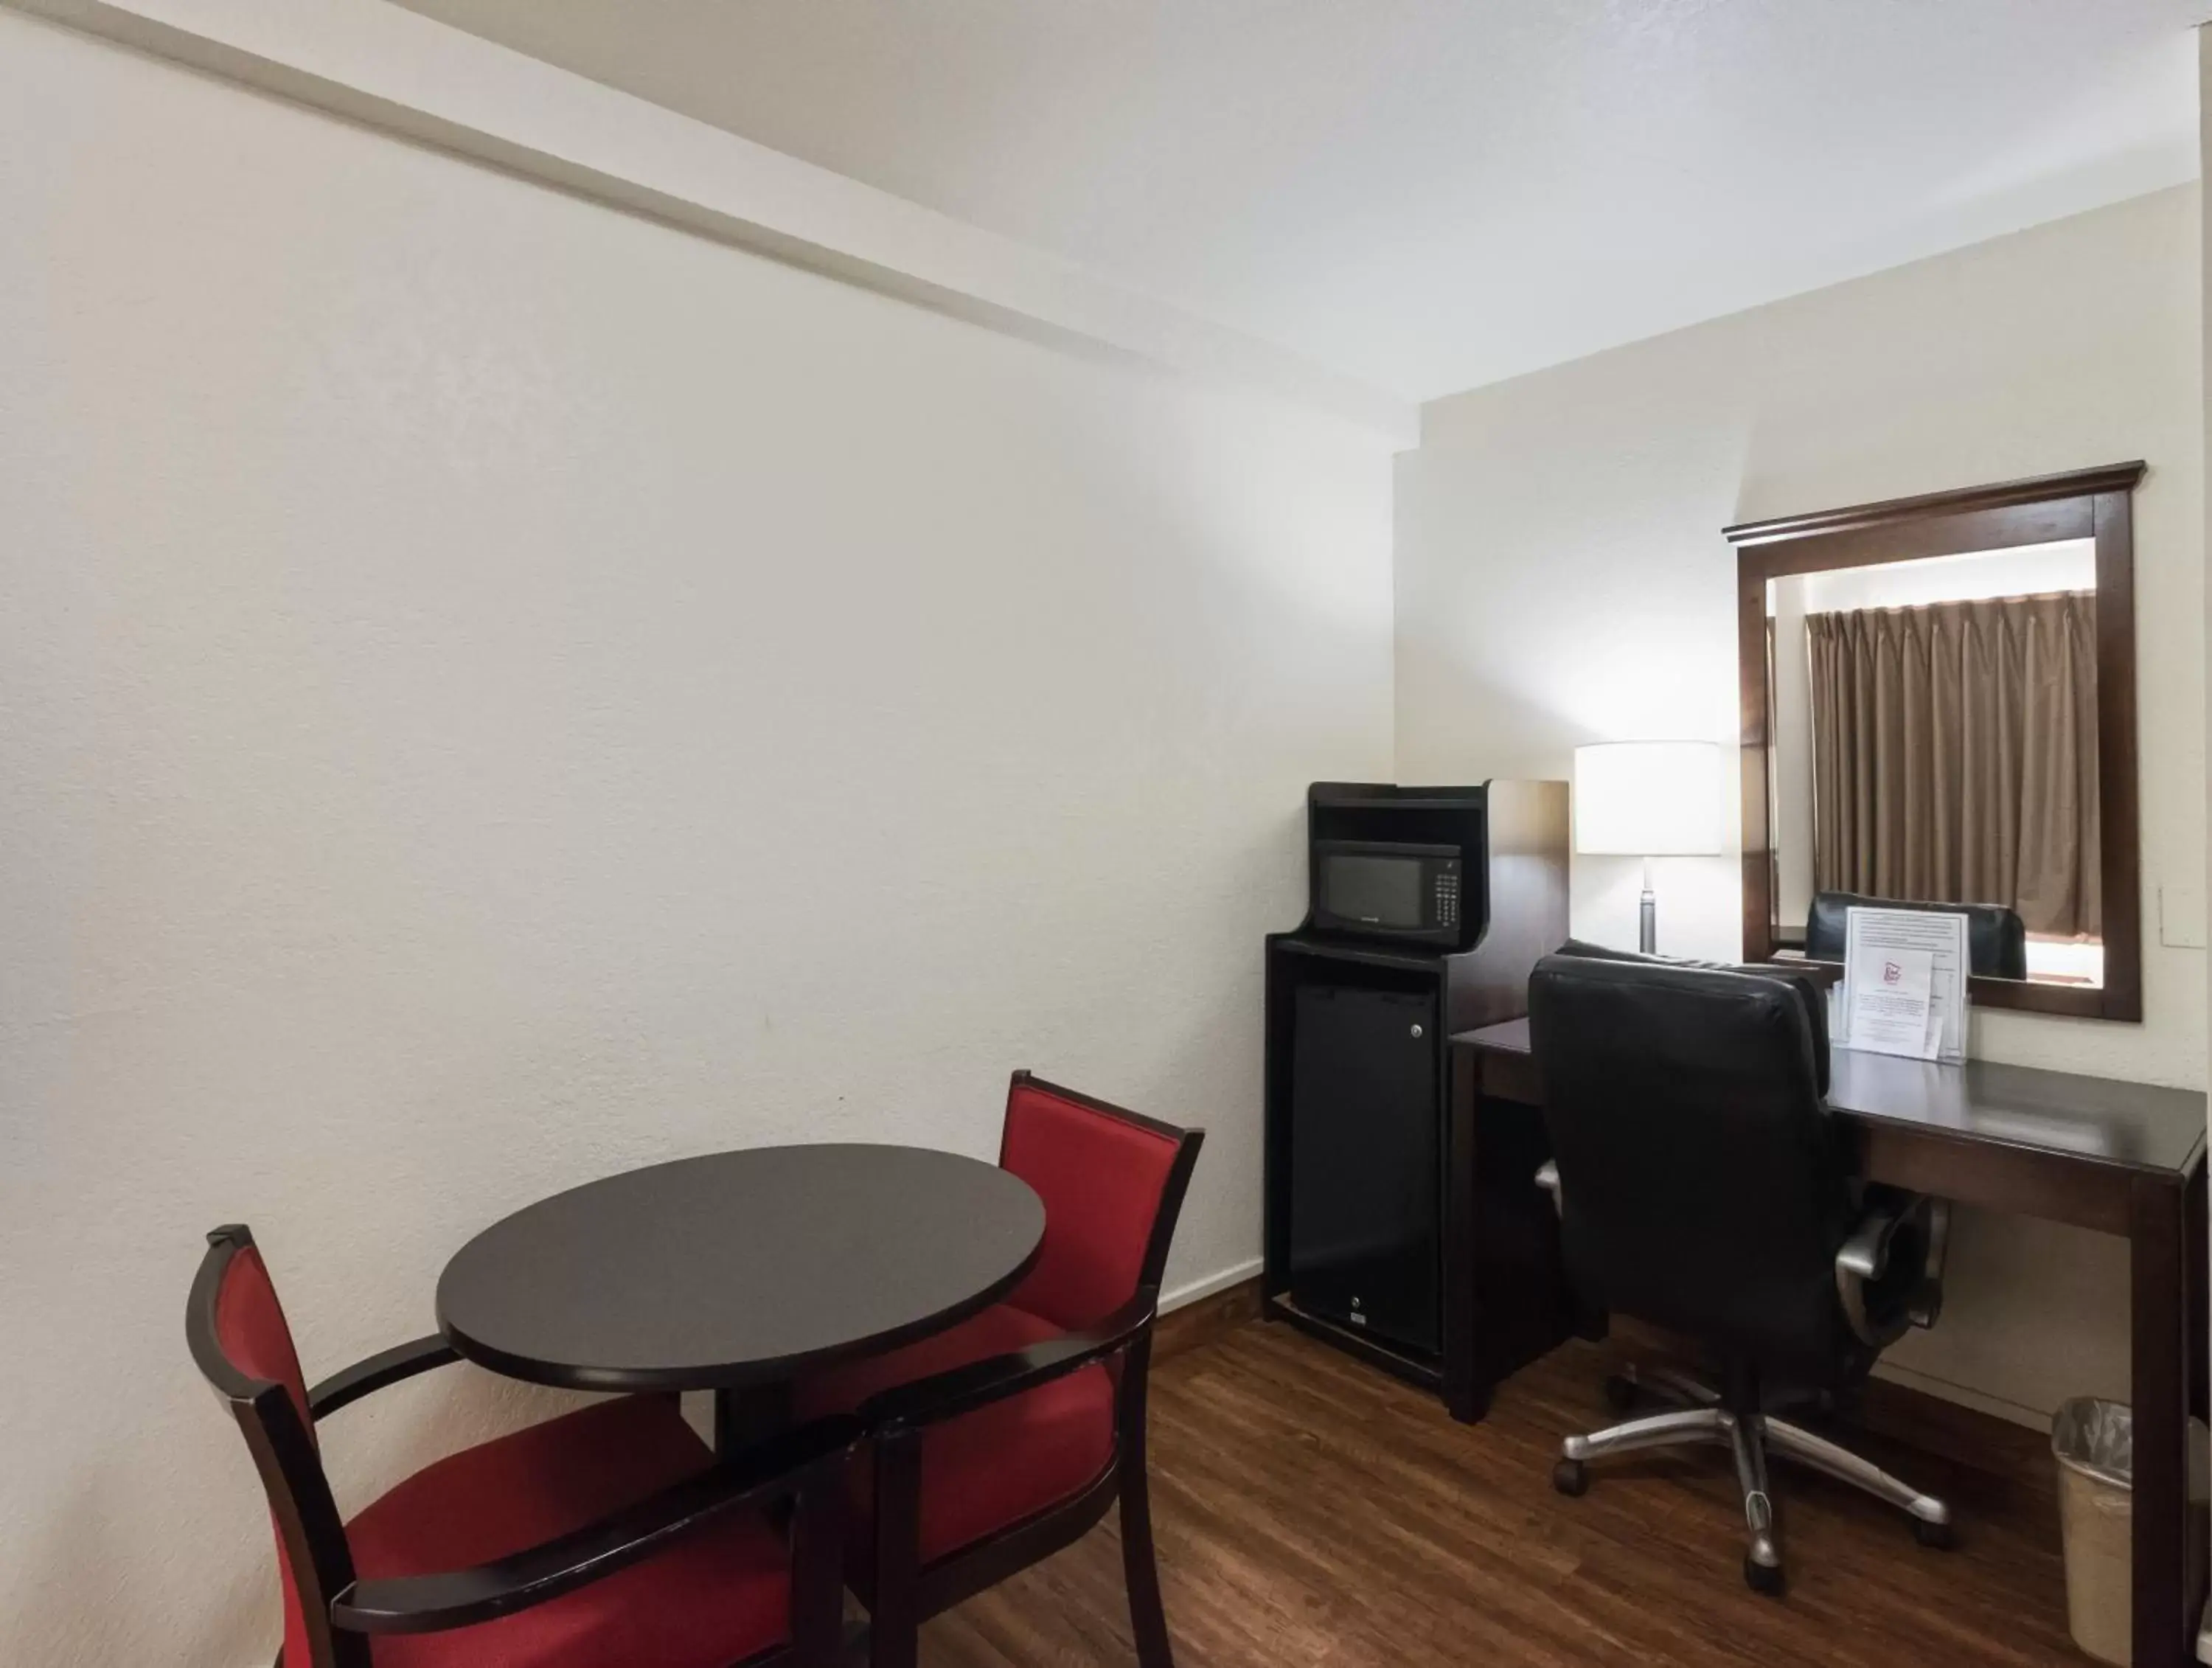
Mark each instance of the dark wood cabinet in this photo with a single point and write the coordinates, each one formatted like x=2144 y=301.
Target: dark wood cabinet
x=1360 y=1167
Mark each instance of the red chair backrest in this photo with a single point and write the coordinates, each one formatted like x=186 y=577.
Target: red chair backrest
x=250 y=1330
x=1111 y=1184
x=238 y=1335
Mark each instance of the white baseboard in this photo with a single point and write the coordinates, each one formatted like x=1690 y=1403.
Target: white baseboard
x=1207 y=1286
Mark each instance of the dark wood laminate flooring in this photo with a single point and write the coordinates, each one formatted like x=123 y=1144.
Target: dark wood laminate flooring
x=1314 y=1514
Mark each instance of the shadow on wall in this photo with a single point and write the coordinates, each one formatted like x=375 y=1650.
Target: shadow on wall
x=1534 y=740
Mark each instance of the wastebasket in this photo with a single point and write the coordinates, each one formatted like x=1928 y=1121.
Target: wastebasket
x=2094 y=1440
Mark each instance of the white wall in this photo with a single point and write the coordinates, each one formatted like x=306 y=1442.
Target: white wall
x=2205 y=346
x=2068 y=564
x=496 y=690
x=1562 y=578
x=371 y=62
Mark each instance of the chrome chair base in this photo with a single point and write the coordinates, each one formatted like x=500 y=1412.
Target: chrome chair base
x=1699 y=1418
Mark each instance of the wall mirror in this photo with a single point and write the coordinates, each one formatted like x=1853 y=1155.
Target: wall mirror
x=1939 y=698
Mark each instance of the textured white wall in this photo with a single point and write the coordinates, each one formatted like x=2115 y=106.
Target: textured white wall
x=493 y=690
x=1562 y=578
x=2205 y=346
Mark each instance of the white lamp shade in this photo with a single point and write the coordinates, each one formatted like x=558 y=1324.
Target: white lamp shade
x=1648 y=798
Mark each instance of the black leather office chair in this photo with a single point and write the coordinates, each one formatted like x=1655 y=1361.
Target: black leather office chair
x=1703 y=1187
x=1997 y=938
x=1812 y=988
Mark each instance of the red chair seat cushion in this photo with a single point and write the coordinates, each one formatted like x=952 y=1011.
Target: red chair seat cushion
x=711 y=1598
x=995 y=1466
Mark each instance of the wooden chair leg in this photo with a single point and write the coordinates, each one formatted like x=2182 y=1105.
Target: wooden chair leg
x=818 y=1571
x=895 y=1617
x=1148 y=1617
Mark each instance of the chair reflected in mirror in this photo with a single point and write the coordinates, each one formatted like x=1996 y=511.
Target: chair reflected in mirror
x=1996 y=937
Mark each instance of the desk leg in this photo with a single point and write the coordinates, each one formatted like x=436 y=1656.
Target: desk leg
x=749 y=1414
x=1506 y=1295
x=1466 y=1395
x=2166 y=1290
x=2197 y=1240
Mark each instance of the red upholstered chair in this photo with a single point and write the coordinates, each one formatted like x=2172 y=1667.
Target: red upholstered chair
x=607 y=1535
x=1003 y=1440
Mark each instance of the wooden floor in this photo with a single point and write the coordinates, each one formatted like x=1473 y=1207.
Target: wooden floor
x=1312 y=1511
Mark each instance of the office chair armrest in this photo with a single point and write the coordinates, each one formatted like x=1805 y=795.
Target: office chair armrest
x=959 y=1390
x=1548 y=1178
x=1866 y=1253
x=1927 y=1302
x=1863 y=1263
x=386 y=1367
x=809 y=1459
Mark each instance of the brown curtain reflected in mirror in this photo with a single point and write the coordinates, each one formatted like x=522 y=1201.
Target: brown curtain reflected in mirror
x=1954 y=755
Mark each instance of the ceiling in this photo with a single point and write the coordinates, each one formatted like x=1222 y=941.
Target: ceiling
x=1434 y=194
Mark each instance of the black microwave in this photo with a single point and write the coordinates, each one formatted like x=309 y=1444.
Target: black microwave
x=1377 y=889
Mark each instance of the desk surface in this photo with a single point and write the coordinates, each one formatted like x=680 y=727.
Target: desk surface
x=2135 y=1126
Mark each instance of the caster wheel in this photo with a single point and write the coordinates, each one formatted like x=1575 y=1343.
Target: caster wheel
x=1621 y=1393
x=1940 y=1536
x=1571 y=1478
x=1763 y=1579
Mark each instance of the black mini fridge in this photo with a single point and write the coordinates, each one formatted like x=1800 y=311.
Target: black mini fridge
x=1366 y=1179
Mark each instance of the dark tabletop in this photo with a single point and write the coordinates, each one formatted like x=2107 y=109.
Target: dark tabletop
x=2138 y=1125
x=740 y=1268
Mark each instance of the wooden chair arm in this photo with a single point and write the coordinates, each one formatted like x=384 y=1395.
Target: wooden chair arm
x=387 y=1367
x=809 y=1457
x=961 y=1390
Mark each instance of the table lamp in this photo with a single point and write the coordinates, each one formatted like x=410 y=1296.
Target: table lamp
x=1648 y=798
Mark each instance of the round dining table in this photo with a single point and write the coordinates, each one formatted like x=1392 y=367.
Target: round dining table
x=740 y=1273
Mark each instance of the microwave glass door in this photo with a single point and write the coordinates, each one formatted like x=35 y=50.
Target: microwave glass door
x=1376 y=891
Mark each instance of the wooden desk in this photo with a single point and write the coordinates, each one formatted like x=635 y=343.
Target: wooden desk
x=2126 y=1159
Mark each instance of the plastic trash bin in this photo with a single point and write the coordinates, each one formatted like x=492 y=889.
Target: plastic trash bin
x=2094 y=1442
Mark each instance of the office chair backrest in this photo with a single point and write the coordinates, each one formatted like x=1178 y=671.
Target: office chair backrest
x=1812 y=990
x=1997 y=938
x=1702 y=1189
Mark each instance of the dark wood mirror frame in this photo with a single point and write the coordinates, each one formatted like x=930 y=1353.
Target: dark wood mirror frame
x=2089 y=503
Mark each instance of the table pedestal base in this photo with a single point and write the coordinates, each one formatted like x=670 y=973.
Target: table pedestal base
x=749 y=1414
